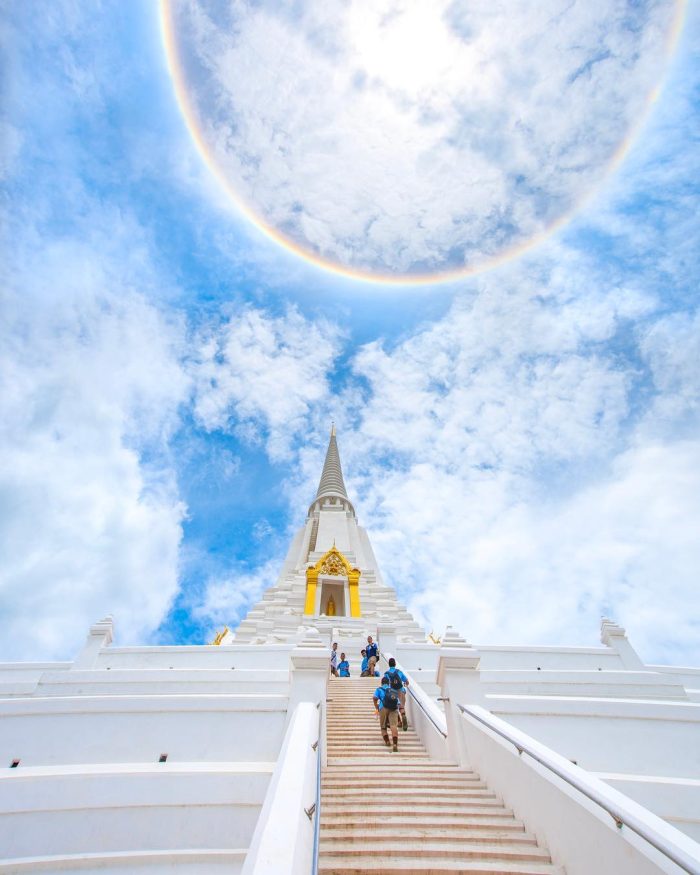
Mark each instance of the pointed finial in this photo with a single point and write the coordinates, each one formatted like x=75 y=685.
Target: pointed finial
x=332 y=475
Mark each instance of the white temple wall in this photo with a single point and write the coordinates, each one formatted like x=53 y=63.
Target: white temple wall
x=677 y=800
x=175 y=806
x=333 y=525
x=689 y=677
x=46 y=731
x=132 y=682
x=236 y=656
x=356 y=546
x=578 y=833
x=639 y=738
x=294 y=558
x=368 y=559
x=424 y=657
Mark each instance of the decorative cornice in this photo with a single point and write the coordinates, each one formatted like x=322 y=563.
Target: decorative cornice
x=334 y=563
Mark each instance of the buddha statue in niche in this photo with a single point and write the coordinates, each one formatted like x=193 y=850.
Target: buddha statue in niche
x=330 y=607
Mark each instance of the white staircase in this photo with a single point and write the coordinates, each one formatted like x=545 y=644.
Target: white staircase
x=405 y=813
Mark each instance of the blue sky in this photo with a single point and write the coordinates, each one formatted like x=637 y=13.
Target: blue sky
x=522 y=442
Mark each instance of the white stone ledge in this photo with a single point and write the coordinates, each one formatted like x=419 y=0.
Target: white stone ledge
x=129 y=860
x=675 y=799
x=583 y=683
x=157 y=787
x=175 y=675
x=177 y=649
x=676 y=669
x=579 y=706
x=34 y=666
x=200 y=703
x=546 y=648
x=647 y=779
x=578 y=675
x=107 y=769
x=125 y=805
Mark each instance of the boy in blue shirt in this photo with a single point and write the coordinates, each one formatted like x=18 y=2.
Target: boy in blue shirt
x=398 y=681
x=386 y=703
x=365 y=665
x=343 y=667
x=372 y=654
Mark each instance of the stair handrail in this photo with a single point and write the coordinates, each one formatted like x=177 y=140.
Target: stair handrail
x=584 y=783
x=422 y=699
x=317 y=803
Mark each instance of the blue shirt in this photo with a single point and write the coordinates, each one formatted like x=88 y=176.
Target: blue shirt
x=379 y=695
x=365 y=664
x=371 y=651
x=344 y=669
x=402 y=677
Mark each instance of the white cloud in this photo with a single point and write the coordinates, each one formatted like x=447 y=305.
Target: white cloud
x=413 y=136
x=507 y=564
x=672 y=348
x=91 y=383
x=516 y=480
x=261 y=374
x=227 y=598
x=509 y=379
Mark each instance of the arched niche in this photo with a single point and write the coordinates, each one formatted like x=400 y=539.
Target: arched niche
x=333 y=577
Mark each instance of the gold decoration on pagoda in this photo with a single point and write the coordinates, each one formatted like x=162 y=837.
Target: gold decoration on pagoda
x=433 y=638
x=219 y=637
x=333 y=564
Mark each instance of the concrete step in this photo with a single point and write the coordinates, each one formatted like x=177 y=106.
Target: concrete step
x=453 y=850
x=490 y=807
x=378 y=761
x=394 y=865
x=456 y=833
x=405 y=756
x=377 y=741
x=430 y=826
x=362 y=747
x=402 y=794
x=366 y=732
x=374 y=738
x=377 y=783
x=432 y=767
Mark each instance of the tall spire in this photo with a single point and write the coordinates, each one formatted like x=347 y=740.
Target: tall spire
x=332 y=474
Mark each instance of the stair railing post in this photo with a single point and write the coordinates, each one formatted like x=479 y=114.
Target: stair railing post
x=308 y=671
x=99 y=637
x=459 y=679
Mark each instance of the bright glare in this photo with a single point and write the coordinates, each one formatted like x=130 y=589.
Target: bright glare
x=409 y=49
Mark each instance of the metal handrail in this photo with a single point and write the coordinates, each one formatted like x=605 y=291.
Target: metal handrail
x=427 y=713
x=317 y=810
x=621 y=817
x=418 y=701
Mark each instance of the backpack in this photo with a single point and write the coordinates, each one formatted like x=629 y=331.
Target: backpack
x=395 y=681
x=391 y=700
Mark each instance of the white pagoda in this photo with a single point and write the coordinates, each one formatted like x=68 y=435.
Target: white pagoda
x=245 y=756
